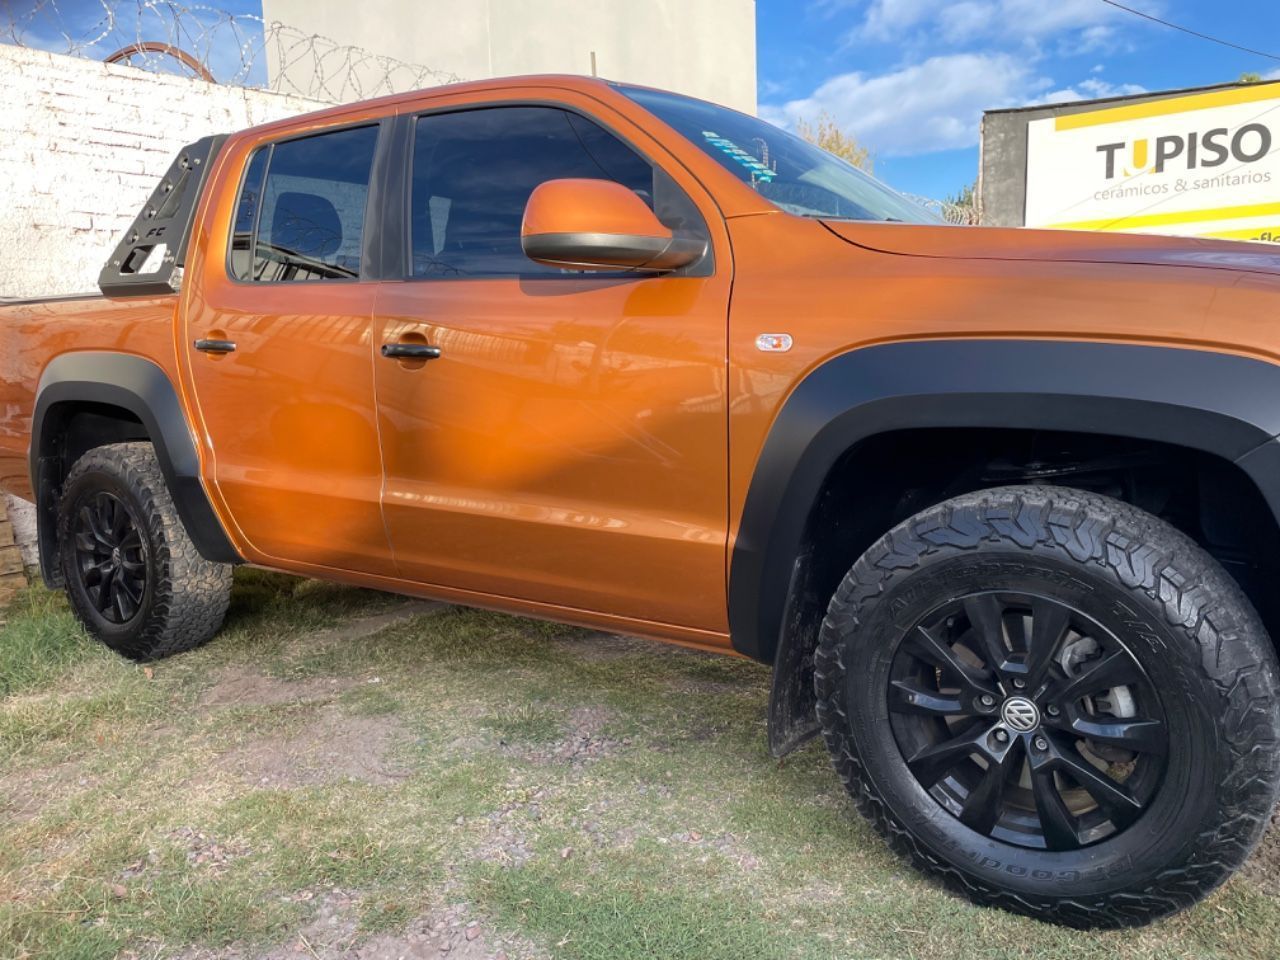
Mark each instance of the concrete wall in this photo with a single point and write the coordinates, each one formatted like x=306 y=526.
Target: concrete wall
x=1002 y=178
x=82 y=145
x=706 y=48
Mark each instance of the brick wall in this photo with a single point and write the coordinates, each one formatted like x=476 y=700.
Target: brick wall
x=82 y=145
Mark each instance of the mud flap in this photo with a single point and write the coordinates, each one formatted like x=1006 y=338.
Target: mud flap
x=793 y=704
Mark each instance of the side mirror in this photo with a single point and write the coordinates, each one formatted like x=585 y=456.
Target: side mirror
x=600 y=225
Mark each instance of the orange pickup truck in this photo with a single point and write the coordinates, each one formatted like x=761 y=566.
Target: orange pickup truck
x=998 y=507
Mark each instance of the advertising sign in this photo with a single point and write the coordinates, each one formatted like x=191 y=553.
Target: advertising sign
x=1201 y=165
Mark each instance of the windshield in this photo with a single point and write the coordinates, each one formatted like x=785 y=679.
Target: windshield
x=787 y=171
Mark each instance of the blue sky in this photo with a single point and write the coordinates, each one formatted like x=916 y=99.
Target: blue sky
x=910 y=78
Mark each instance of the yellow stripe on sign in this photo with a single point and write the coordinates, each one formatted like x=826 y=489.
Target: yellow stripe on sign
x=1173 y=218
x=1253 y=93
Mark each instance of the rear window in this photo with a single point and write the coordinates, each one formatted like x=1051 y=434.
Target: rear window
x=301 y=210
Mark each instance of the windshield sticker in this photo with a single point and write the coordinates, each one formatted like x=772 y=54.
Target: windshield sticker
x=759 y=169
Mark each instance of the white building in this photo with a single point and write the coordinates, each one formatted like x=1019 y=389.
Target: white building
x=706 y=48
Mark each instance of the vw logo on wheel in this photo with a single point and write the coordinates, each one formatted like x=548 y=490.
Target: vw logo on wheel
x=1020 y=714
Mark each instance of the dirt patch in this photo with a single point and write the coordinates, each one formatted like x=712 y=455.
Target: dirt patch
x=329 y=749
x=584 y=742
x=25 y=795
x=452 y=932
x=723 y=845
x=333 y=934
x=608 y=646
x=503 y=838
x=365 y=627
x=243 y=687
x=1262 y=870
x=204 y=850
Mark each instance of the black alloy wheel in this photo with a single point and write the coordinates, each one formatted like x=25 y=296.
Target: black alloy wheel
x=1053 y=702
x=111 y=557
x=1027 y=721
x=134 y=578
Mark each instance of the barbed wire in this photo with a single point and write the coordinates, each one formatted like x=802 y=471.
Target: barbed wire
x=239 y=49
x=961 y=214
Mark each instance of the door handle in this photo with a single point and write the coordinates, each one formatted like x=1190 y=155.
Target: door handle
x=216 y=346
x=410 y=351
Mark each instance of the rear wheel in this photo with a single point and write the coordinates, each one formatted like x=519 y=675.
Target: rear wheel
x=1055 y=703
x=134 y=578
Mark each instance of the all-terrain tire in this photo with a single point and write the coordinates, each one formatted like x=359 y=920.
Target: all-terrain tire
x=185 y=597
x=1187 y=624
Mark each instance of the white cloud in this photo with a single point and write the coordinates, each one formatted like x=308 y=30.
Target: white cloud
x=934 y=105
x=969 y=20
x=1099 y=38
x=1092 y=89
x=886 y=19
x=961 y=22
x=828 y=8
x=981 y=55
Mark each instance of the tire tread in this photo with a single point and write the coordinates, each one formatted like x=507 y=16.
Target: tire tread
x=192 y=594
x=1144 y=555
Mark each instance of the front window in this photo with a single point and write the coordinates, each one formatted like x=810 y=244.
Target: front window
x=787 y=171
x=474 y=170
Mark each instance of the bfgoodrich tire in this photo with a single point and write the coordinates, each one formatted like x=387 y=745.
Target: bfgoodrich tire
x=1054 y=703
x=134 y=578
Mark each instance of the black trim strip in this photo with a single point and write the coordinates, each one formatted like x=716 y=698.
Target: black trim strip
x=388 y=258
x=1214 y=402
x=613 y=251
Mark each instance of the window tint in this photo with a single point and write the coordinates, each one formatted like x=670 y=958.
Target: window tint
x=302 y=206
x=473 y=173
x=792 y=174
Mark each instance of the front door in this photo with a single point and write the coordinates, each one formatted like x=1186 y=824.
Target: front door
x=569 y=444
x=279 y=336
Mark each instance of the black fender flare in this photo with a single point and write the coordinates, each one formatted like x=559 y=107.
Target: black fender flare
x=142 y=388
x=1219 y=403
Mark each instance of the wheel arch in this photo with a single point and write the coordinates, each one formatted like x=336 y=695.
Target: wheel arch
x=91 y=398
x=1218 y=406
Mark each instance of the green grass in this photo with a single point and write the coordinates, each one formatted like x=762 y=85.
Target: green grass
x=591 y=799
x=527 y=723
x=591 y=922
x=41 y=642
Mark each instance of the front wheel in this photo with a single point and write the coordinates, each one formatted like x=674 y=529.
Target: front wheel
x=1055 y=703
x=134 y=578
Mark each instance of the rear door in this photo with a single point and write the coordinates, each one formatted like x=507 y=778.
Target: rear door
x=569 y=445
x=279 y=337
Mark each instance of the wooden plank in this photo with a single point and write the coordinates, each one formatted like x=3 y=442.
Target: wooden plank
x=7 y=538
x=9 y=588
x=10 y=561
